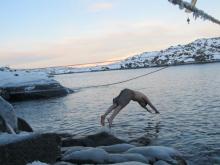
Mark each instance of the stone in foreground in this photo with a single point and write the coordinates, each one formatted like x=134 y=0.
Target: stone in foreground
x=20 y=150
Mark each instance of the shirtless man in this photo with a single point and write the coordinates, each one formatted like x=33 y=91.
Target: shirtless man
x=119 y=102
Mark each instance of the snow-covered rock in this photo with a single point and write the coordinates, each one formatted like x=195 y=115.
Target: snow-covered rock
x=117 y=148
x=8 y=117
x=9 y=122
x=114 y=154
x=93 y=155
x=23 y=148
x=98 y=139
x=74 y=149
x=161 y=162
x=127 y=157
x=63 y=163
x=24 y=84
x=16 y=78
x=97 y=155
x=129 y=163
x=154 y=153
x=6 y=138
x=37 y=163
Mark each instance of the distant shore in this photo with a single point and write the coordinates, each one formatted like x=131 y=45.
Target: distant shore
x=179 y=64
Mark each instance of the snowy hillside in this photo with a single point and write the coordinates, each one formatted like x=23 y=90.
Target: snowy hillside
x=199 y=51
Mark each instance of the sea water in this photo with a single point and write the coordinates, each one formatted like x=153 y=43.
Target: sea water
x=188 y=98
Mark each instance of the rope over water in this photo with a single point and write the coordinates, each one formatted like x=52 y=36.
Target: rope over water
x=120 y=82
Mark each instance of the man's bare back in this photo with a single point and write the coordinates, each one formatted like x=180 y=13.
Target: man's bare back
x=119 y=102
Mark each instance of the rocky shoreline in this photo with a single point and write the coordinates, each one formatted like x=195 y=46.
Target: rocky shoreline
x=99 y=148
x=20 y=145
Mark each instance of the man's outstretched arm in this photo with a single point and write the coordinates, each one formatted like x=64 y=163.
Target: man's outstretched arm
x=147 y=109
x=147 y=102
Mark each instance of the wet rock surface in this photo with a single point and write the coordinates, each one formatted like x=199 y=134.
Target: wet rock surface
x=38 y=92
x=43 y=147
x=99 y=139
x=101 y=148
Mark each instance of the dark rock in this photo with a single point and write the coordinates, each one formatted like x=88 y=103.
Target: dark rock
x=142 y=141
x=99 y=139
x=23 y=125
x=42 y=147
x=3 y=127
x=9 y=122
x=38 y=92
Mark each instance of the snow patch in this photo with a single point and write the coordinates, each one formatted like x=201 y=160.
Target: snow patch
x=117 y=148
x=118 y=158
x=23 y=78
x=92 y=155
x=37 y=163
x=129 y=163
x=156 y=153
x=6 y=138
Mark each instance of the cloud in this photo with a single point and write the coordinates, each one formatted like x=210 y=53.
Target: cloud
x=100 y=7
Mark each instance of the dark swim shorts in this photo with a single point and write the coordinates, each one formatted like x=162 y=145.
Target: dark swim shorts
x=124 y=97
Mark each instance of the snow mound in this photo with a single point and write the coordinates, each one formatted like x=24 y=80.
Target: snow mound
x=93 y=155
x=161 y=162
x=14 y=78
x=76 y=148
x=117 y=148
x=8 y=114
x=156 y=153
x=6 y=138
x=119 y=158
x=37 y=163
x=129 y=163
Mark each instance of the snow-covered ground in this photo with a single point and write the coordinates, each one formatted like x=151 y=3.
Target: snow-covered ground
x=199 y=51
x=6 y=138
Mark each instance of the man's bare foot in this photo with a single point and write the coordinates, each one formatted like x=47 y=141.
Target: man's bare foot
x=103 y=120
x=109 y=123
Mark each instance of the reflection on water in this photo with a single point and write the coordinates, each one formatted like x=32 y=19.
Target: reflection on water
x=188 y=98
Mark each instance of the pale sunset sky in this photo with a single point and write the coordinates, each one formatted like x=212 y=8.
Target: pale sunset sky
x=41 y=33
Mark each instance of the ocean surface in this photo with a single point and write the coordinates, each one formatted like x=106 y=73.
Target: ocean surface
x=188 y=98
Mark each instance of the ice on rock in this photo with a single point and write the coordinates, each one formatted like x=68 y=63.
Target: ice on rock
x=161 y=162
x=118 y=158
x=156 y=153
x=37 y=163
x=117 y=148
x=129 y=163
x=76 y=148
x=94 y=155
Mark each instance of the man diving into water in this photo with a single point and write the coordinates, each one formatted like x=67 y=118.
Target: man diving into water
x=119 y=102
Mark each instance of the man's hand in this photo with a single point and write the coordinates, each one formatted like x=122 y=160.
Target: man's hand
x=147 y=109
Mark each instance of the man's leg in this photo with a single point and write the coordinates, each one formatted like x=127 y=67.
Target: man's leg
x=115 y=112
x=106 y=113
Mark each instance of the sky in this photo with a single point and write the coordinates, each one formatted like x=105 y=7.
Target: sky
x=43 y=33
